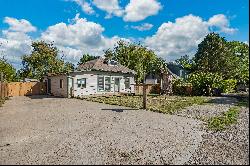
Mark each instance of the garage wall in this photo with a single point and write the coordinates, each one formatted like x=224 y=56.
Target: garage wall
x=55 y=86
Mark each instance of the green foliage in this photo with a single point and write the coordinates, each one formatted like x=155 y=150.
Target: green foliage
x=43 y=60
x=227 y=86
x=222 y=122
x=214 y=56
x=180 y=87
x=203 y=82
x=137 y=58
x=86 y=57
x=9 y=72
x=240 y=51
x=186 y=63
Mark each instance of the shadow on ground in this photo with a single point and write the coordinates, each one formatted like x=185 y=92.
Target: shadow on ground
x=232 y=99
x=119 y=110
x=41 y=96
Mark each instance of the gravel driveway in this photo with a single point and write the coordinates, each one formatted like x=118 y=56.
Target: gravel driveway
x=43 y=130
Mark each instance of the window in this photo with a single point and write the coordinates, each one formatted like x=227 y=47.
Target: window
x=100 y=83
x=81 y=83
x=104 y=83
x=107 y=83
x=61 y=83
x=127 y=83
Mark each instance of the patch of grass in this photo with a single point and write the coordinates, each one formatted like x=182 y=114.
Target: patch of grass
x=219 y=123
x=162 y=104
x=2 y=100
x=243 y=102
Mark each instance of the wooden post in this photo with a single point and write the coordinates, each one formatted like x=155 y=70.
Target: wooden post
x=144 y=93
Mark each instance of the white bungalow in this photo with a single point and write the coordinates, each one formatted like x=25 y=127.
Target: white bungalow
x=94 y=77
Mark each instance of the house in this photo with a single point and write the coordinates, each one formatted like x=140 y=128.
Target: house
x=94 y=77
x=177 y=70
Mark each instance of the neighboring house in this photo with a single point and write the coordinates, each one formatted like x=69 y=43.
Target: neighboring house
x=177 y=70
x=94 y=77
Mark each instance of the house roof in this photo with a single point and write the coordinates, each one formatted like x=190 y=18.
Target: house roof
x=101 y=65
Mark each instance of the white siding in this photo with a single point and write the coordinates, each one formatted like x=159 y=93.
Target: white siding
x=91 y=83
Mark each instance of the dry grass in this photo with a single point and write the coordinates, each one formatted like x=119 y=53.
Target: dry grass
x=162 y=104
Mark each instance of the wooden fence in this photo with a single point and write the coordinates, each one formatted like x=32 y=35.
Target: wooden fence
x=3 y=90
x=23 y=89
x=151 y=88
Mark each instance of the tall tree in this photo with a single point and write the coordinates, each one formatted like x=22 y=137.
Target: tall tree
x=87 y=57
x=214 y=56
x=135 y=57
x=43 y=60
x=240 y=51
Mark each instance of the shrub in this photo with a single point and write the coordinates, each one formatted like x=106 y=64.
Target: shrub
x=180 y=87
x=203 y=83
x=228 y=86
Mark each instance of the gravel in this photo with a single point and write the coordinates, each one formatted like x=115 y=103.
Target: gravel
x=69 y=131
x=43 y=130
x=215 y=107
x=229 y=147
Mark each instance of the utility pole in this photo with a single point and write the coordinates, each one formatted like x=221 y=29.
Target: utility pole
x=144 y=92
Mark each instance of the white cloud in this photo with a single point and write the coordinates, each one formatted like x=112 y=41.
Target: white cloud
x=78 y=37
x=135 y=10
x=86 y=7
x=14 y=41
x=143 y=27
x=174 y=39
x=21 y=25
x=110 y=6
x=221 y=21
x=138 y=10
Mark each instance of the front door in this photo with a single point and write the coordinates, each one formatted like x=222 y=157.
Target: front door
x=70 y=87
x=117 y=85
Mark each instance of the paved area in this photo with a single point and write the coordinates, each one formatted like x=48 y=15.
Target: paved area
x=43 y=130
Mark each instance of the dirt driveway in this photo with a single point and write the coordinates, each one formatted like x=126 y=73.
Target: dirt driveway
x=43 y=130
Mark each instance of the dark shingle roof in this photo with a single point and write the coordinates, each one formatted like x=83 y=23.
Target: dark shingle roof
x=100 y=65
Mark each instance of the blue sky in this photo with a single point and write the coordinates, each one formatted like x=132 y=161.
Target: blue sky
x=171 y=28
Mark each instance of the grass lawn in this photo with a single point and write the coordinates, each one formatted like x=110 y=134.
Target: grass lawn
x=162 y=104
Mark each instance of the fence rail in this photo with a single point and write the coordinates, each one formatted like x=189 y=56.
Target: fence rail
x=22 y=89
x=150 y=88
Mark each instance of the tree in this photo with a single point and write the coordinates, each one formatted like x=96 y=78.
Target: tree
x=214 y=56
x=43 y=60
x=185 y=62
x=135 y=57
x=240 y=51
x=8 y=71
x=86 y=57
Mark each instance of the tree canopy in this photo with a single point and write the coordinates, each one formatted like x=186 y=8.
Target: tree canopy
x=213 y=55
x=43 y=60
x=136 y=57
x=87 y=57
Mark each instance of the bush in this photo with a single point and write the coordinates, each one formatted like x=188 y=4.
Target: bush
x=228 y=86
x=180 y=87
x=203 y=83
